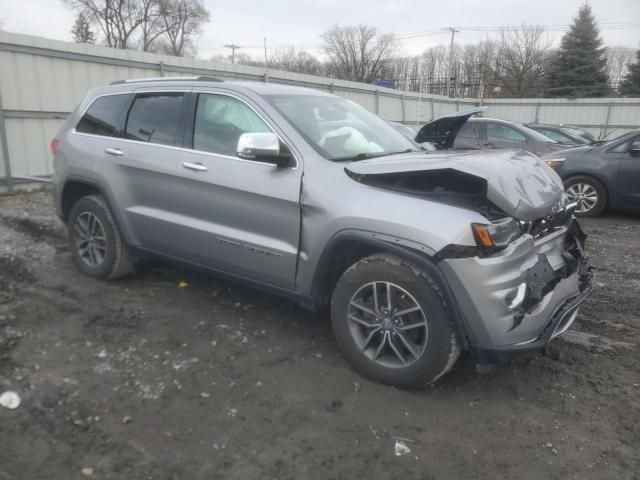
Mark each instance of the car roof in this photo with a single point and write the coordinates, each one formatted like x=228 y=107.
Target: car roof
x=261 y=88
x=488 y=119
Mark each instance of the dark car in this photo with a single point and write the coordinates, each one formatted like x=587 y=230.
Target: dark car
x=461 y=132
x=601 y=175
x=564 y=135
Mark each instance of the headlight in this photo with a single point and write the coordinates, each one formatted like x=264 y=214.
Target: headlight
x=496 y=236
x=555 y=162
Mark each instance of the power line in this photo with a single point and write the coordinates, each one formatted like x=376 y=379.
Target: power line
x=498 y=28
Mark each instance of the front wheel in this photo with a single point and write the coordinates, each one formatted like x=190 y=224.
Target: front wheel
x=589 y=194
x=391 y=322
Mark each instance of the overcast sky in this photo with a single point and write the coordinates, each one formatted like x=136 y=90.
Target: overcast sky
x=300 y=22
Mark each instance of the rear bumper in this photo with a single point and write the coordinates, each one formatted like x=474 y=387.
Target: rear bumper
x=520 y=299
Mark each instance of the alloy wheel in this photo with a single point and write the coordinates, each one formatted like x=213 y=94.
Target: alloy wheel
x=585 y=195
x=90 y=239
x=388 y=324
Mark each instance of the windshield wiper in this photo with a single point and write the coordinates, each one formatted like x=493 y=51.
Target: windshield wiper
x=358 y=156
x=367 y=155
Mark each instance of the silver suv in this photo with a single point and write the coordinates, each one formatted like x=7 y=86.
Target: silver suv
x=419 y=256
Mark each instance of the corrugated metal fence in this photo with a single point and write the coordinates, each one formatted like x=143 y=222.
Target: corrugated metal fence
x=42 y=80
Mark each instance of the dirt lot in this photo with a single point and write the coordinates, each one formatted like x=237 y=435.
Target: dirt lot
x=142 y=379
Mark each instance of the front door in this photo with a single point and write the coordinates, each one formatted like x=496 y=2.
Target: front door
x=236 y=215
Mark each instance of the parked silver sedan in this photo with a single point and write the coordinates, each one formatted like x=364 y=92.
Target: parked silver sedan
x=461 y=132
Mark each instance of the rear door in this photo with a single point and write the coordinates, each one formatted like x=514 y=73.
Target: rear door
x=140 y=166
x=233 y=214
x=629 y=176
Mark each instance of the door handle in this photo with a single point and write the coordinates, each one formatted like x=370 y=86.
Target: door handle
x=196 y=167
x=116 y=152
x=489 y=145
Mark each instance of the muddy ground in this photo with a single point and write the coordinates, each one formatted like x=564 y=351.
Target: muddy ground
x=142 y=379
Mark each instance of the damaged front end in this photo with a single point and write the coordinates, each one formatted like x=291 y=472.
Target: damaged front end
x=521 y=298
x=519 y=277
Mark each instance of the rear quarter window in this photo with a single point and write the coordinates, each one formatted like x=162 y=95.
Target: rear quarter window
x=104 y=116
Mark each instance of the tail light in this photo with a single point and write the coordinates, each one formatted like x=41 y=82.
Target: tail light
x=54 y=145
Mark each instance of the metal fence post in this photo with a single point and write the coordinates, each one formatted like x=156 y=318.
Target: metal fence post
x=377 y=102
x=161 y=64
x=5 y=149
x=537 y=119
x=606 y=122
x=432 y=108
x=404 y=109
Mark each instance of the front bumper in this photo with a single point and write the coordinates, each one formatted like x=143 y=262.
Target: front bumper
x=520 y=299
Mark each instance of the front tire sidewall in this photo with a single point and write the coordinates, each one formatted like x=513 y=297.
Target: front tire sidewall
x=597 y=186
x=90 y=204
x=435 y=359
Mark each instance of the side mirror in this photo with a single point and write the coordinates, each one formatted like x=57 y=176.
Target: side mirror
x=262 y=147
x=634 y=149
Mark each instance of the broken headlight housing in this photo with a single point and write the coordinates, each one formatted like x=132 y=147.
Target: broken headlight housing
x=497 y=235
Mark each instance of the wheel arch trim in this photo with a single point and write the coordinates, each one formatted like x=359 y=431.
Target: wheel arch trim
x=382 y=244
x=90 y=182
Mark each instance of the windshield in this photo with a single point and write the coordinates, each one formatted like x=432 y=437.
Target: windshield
x=581 y=133
x=340 y=129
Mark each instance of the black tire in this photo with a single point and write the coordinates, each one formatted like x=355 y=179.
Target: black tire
x=596 y=185
x=441 y=350
x=116 y=260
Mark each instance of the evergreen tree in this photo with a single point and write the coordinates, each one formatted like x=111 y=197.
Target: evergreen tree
x=630 y=86
x=81 y=30
x=579 y=67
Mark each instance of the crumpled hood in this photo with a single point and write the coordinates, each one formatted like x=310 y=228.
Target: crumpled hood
x=518 y=182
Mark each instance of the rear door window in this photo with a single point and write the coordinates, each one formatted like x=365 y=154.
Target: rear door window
x=104 y=116
x=156 y=118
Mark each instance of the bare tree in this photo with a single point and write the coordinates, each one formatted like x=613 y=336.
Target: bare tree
x=151 y=26
x=292 y=60
x=182 y=20
x=358 y=53
x=522 y=59
x=618 y=61
x=117 y=19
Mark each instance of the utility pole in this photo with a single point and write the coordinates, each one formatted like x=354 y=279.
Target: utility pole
x=233 y=48
x=266 y=62
x=449 y=77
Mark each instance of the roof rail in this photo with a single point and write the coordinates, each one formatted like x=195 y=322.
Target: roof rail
x=202 y=78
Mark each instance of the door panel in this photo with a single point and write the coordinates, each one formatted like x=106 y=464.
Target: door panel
x=142 y=173
x=629 y=178
x=236 y=215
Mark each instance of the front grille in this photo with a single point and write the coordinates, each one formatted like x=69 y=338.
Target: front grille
x=550 y=223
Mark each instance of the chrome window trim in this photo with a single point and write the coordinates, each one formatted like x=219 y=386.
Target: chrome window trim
x=171 y=147
x=190 y=150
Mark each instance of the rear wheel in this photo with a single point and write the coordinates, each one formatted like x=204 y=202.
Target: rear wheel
x=391 y=322
x=97 y=246
x=588 y=193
